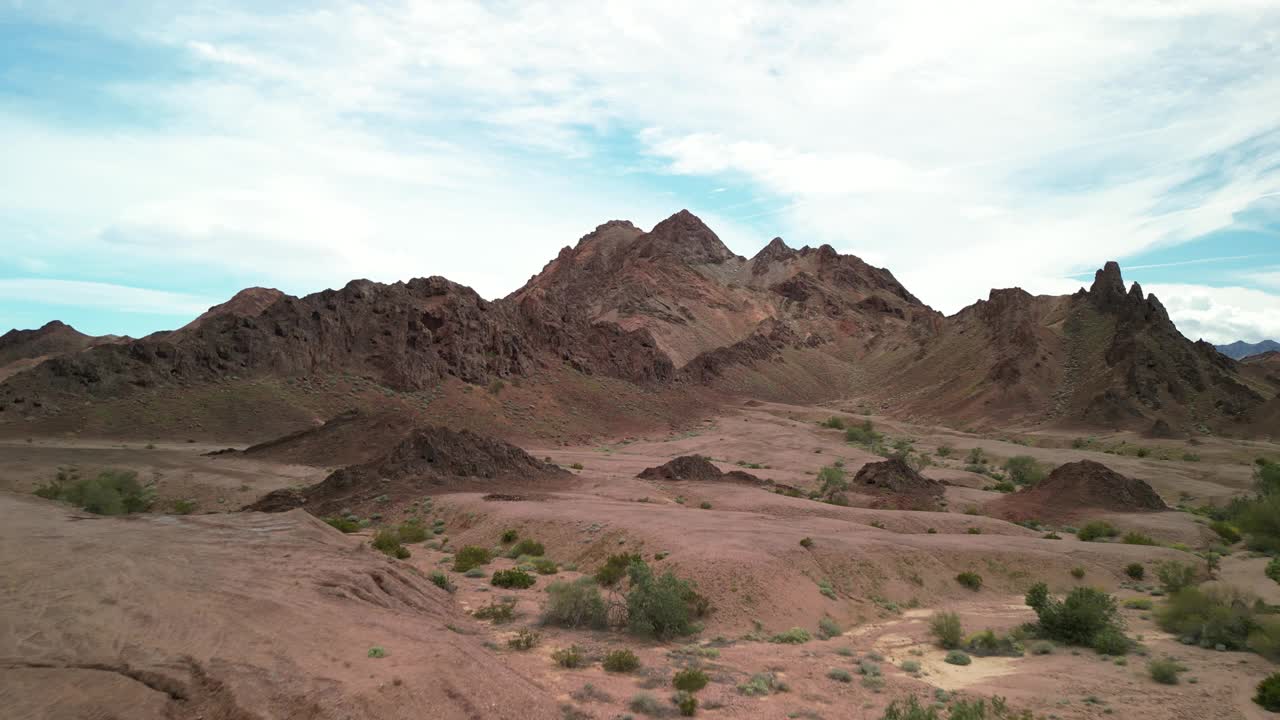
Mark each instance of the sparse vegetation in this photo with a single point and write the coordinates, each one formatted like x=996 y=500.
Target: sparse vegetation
x=524 y=639
x=1273 y=569
x=377 y=652
x=1268 y=693
x=569 y=657
x=1096 y=530
x=1077 y=572
x=111 y=492
x=840 y=675
x=1164 y=671
x=1214 y=614
x=343 y=524
x=828 y=628
x=1137 y=538
x=946 y=629
x=1225 y=530
x=440 y=580
x=662 y=607
x=1087 y=616
x=528 y=547
x=690 y=680
x=1175 y=575
x=499 y=611
x=794 y=636
x=621 y=661
x=971 y=580
x=686 y=703
x=646 y=704
x=508 y=537
x=1135 y=571
x=1025 y=470
x=614 y=569
x=471 y=556
x=411 y=531
x=186 y=507
x=806 y=543
x=514 y=578
x=957 y=657
x=387 y=541
x=833 y=422
x=574 y=604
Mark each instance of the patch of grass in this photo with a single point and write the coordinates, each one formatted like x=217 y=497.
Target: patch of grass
x=499 y=611
x=1225 y=530
x=524 y=639
x=186 y=507
x=343 y=524
x=513 y=578
x=1135 y=571
x=762 y=684
x=1096 y=530
x=569 y=657
x=833 y=422
x=806 y=543
x=869 y=668
x=544 y=566
x=794 y=636
x=1138 y=603
x=411 y=531
x=377 y=652
x=471 y=556
x=387 y=542
x=910 y=666
x=828 y=628
x=529 y=547
x=646 y=704
x=969 y=579
x=957 y=657
x=988 y=643
x=1025 y=470
x=1164 y=671
x=825 y=588
x=621 y=661
x=1077 y=572
x=686 y=703
x=508 y=537
x=1175 y=575
x=440 y=580
x=1273 y=569
x=840 y=675
x=111 y=492
x=1137 y=538
x=1267 y=693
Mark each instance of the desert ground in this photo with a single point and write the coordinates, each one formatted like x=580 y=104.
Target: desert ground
x=228 y=614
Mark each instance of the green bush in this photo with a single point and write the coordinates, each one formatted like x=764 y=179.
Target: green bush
x=575 y=604
x=910 y=709
x=957 y=657
x=1137 y=538
x=794 y=636
x=828 y=628
x=1095 y=530
x=971 y=580
x=1175 y=575
x=1042 y=647
x=690 y=680
x=987 y=643
x=527 y=547
x=1138 y=603
x=1268 y=693
x=1135 y=571
x=508 y=536
x=346 y=525
x=1273 y=569
x=411 y=531
x=1111 y=641
x=377 y=652
x=1079 y=618
x=614 y=569
x=833 y=422
x=186 y=507
x=661 y=607
x=1259 y=521
x=831 y=480
x=1164 y=671
x=621 y=661
x=112 y=492
x=513 y=578
x=570 y=657
x=499 y=611
x=1025 y=470
x=864 y=434
x=840 y=675
x=686 y=703
x=441 y=581
x=1226 y=531
x=524 y=639
x=910 y=666
x=646 y=704
x=471 y=556
x=1210 y=615
x=946 y=628
x=545 y=566
x=1077 y=572
x=387 y=541
x=806 y=543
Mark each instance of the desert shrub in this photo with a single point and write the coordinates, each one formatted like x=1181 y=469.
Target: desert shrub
x=988 y=643
x=545 y=566
x=833 y=422
x=524 y=639
x=910 y=709
x=1268 y=693
x=615 y=568
x=527 y=547
x=957 y=657
x=186 y=507
x=910 y=666
x=621 y=661
x=1076 y=620
x=499 y=611
x=840 y=675
x=576 y=466
x=1096 y=529
x=1137 y=538
x=864 y=434
x=704 y=505
x=387 y=541
x=1110 y=641
x=1138 y=603
x=971 y=580
x=869 y=668
x=343 y=524
x=574 y=604
x=831 y=480
x=377 y=652
x=474 y=573
x=1004 y=486
x=411 y=531
x=828 y=628
x=1164 y=671
x=1042 y=647
x=824 y=587
x=471 y=556
x=974 y=530
x=1210 y=615
x=1077 y=572
x=976 y=457
x=508 y=536
x=570 y=657
x=945 y=450
x=686 y=703
x=1024 y=470
x=112 y=492
x=1135 y=571
x=1226 y=531
x=690 y=680
x=646 y=704
x=1175 y=575
x=806 y=543
x=794 y=636
x=441 y=581
x=513 y=578
x=663 y=606
x=945 y=627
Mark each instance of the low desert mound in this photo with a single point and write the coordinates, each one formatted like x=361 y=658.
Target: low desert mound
x=695 y=467
x=430 y=460
x=1080 y=485
x=285 y=618
x=352 y=438
x=902 y=486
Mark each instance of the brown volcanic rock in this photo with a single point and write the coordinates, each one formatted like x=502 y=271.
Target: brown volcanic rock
x=1076 y=486
x=351 y=438
x=429 y=460
x=23 y=349
x=249 y=302
x=696 y=468
x=893 y=477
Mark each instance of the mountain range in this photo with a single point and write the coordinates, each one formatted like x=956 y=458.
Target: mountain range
x=1240 y=349
x=645 y=327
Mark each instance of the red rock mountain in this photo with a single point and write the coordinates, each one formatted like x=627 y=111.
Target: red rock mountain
x=22 y=349
x=674 y=307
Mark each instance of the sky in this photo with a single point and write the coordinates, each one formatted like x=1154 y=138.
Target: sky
x=156 y=157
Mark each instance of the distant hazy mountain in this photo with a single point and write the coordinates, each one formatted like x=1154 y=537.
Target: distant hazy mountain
x=1241 y=349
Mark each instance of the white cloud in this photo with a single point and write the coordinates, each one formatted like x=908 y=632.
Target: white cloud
x=119 y=298
x=1221 y=314
x=963 y=146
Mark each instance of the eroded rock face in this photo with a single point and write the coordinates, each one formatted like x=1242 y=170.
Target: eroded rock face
x=1077 y=486
x=694 y=468
x=896 y=477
